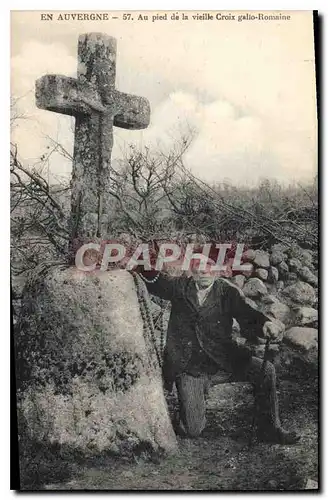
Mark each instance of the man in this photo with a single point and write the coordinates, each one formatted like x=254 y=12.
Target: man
x=199 y=343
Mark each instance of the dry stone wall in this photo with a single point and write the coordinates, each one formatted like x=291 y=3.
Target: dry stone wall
x=284 y=285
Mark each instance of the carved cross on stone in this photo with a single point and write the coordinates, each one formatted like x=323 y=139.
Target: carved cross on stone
x=97 y=106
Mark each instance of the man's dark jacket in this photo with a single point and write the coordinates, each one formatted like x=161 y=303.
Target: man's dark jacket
x=208 y=326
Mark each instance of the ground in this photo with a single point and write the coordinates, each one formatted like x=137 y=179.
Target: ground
x=222 y=459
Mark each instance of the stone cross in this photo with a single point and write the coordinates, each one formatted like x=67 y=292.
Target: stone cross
x=97 y=106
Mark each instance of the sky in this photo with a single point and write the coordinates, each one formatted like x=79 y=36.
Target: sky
x=247 y=89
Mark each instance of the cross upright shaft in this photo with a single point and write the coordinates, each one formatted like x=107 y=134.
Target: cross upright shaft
x=97 y=106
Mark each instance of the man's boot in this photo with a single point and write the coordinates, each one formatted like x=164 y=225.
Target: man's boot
x=269 y=428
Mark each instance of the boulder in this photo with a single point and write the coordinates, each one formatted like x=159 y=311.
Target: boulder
x=279 y=247
x=307 y=258
x=308 y=276
x=304 y=316
x=301 y=338
x=299 y=353
x=249 y=255
x=261 y=273
x=278 y=328
x=294 y=264
x=273 y=274
x=279 y=311
x=300 y=293
x=248 y=273
x=255 y=288
x=293 y=250
x=276 y=257
x=304 y=256
x=283 y=268
x=88 y=374
x=239 y=280
x=261 y=259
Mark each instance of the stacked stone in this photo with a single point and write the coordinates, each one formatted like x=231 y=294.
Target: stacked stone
x=283 y=283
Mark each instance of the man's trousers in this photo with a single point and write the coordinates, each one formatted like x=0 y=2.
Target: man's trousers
x=192 y=392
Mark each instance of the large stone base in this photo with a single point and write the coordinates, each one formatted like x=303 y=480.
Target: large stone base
x=88 y=375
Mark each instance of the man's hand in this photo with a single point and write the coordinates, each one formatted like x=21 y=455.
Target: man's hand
x=273 y=330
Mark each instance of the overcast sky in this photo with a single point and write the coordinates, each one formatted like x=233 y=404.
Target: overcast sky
x=248 y=89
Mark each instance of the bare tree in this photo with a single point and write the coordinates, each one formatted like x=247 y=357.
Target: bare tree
x=39 y=226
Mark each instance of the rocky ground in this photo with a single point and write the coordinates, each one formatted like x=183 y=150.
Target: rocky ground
x=224 y=458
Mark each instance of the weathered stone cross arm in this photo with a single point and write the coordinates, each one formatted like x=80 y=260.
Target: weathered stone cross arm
x=94 y=88
x=71 y=96
x=97 y=106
